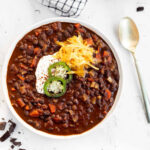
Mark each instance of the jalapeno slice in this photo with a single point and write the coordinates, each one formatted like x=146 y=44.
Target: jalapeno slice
x=60 y=69
x=55 y=87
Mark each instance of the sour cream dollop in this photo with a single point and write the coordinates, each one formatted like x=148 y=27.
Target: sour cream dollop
x=42 y=71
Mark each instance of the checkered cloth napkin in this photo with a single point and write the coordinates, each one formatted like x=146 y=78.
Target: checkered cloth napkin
x=66 y=8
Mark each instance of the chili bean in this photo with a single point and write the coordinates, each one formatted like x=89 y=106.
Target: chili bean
x=48 y=124
x=26 y=113
x=12 y=96
x=49 y=31
x=74 y=107
x=41 y=43
x=75 y=101
x=30 y=121
x=44 y=106
x=43 y=37
x=67 y=34
x=70 y=29
x=22 y=89
x=30 y=78
x=23 y=46
x=97 y=93
x=85 y=97
x=14 y=69
x=81 y=107
x=57 y=118
x=55 y=100
x=61 y=106
x=55 y=26
x=65 y=125
x=46 y=112
x=93 y=100
x=75 y=118
x=69 y=103
x=59 y=36
x=35 y=41
x=42 y=117
x=29 y=38
x=89 y=110
x=57 y=129
x=30 y=49
x=76 y=94
x=38 y=32
x=65 y=117
x=40 y=100
x=10 y=81
x=99 y=102
x=37 y=124
x=59 y=26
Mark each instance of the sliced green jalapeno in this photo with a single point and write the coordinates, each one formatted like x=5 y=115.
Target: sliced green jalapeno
x=55 y=87
x=60 y=69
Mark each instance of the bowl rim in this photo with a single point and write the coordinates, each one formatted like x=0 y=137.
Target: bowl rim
x=8 y=56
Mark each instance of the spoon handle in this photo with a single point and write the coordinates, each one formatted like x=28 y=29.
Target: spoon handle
x=143 y=89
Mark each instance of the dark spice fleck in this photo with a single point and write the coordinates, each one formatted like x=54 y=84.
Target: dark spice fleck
x=13 y=141
x=2 y=125
x=12 y=126
x=5 y=136
x=12 y=146
x=140 y=8
x=37 y=10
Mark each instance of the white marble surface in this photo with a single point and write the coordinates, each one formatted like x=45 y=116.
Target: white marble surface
x=126 y=128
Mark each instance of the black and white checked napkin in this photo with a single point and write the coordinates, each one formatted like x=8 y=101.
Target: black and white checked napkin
x=66 y=8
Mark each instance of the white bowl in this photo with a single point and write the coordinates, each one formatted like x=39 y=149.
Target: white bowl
x=9 y=53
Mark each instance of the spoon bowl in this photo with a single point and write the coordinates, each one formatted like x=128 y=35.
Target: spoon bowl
x=128 y=34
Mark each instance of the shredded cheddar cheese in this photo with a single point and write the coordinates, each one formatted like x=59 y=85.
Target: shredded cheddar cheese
x=77 y=54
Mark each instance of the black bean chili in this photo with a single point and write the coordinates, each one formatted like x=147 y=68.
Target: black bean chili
x=86 y=101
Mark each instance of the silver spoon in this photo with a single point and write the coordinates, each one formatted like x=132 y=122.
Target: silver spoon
x=129 y=38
